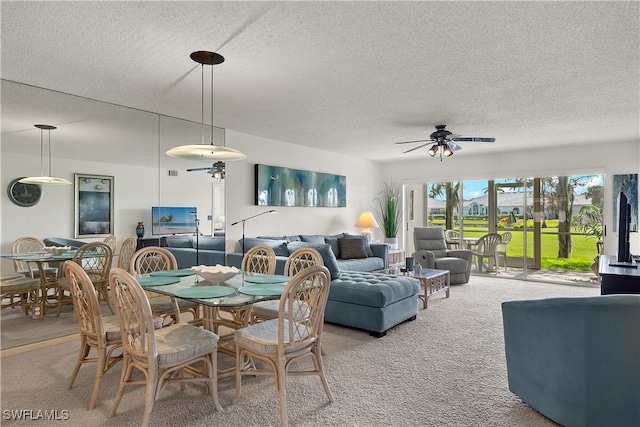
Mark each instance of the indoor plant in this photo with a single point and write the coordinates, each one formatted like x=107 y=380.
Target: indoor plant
x=389 y=213
x=589 y=221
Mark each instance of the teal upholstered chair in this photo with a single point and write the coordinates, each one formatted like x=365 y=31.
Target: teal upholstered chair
x=431 y=252
x=576 y=360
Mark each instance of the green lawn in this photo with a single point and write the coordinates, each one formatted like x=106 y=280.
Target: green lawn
x=583 y=247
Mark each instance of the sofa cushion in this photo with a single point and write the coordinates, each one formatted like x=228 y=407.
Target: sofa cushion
x=371 y=289
x=333 y=242
x=294 y=238
x=279 y=246
x=328 y=258
x=364 y=239
x=179 y=242
x=272 y=237
x=352 y=248
x=211 y=243
x=312 y=238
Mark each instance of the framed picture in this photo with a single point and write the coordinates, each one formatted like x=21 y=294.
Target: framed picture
x=93 y=205
x=279 y=186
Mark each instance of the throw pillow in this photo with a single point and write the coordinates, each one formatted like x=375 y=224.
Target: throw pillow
x=333 y=242
x=210 y=243
x=352 y=248
x=179 y=242
x=279 y=246
x=328 y=258
x=364 y=239
x=312 y=238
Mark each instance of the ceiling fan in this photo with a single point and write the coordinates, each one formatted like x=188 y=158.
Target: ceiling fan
x=216 y=170
x=445 y=141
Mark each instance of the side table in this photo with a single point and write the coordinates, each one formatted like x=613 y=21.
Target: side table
x=434 y=282
x=396 y=258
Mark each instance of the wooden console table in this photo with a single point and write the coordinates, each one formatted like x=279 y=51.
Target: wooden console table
x=618 y=280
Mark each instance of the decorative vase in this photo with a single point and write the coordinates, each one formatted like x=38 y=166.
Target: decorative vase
x=392 y=242
x=140 y=230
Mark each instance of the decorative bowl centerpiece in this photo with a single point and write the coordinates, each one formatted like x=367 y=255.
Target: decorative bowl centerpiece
x=217 y=274
x=56 y=250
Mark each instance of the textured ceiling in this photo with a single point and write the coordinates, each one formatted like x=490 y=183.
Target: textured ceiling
x=348 y=77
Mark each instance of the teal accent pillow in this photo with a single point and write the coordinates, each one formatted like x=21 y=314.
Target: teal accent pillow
x=365 y=241
x=312 y=238
x=328 y=258
x=210 y=243
x=180 y=242
x=279 y=246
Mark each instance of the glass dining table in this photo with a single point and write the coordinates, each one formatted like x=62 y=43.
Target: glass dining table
x=46 y=281
x=226 y=306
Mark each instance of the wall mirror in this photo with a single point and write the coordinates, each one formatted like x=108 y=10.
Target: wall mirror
x=100 y=138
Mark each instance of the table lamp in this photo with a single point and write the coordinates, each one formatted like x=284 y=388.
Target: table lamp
x=367 y=220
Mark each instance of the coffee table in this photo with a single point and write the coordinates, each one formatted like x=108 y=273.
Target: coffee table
x=433 y=281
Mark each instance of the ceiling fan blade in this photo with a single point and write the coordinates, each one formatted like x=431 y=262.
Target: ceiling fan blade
x=416 y=148
x=474 y=139
x=199 y=169
x=411 y=142
x=454 y=146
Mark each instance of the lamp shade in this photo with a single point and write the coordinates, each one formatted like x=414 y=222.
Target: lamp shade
x=367 y=220
x=206 y=151
x=45 y=179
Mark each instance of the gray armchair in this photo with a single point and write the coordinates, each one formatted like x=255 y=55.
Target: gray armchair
x=431 y=252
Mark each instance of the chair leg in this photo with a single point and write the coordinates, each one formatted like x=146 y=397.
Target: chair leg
x=127 y=368
x=281 y=379
x=102 y=363
x=150 y=396
x=236 y=396
x=317 y=360
x=82 y=355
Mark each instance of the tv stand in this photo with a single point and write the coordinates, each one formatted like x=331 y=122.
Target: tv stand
x=618 y=279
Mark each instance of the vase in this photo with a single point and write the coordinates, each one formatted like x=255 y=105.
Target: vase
x=392 y=242
x=140 y=230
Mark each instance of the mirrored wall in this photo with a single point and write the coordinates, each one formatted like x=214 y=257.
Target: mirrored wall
x=100 y=138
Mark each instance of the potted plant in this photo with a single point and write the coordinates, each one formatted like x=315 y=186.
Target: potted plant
x=389 y=213
x=589 y=221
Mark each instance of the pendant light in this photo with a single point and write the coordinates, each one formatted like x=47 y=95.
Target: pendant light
x=42 y=179
x=206 y=151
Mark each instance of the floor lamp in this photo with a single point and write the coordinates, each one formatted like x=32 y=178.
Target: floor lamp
x=248 y=218
x=197 y=220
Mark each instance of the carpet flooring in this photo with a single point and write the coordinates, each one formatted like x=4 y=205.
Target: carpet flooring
x=446 y=368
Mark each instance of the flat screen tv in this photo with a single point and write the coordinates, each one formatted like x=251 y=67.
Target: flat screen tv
x=624 y=228
x=173 y=220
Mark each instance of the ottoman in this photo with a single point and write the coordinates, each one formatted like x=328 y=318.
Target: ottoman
x=371 y=301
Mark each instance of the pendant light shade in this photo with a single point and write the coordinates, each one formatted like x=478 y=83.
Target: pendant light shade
x=206 y=151
x=45 y=179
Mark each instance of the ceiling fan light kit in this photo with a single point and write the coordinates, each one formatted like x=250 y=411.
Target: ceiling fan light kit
x=45 y=179
x=206 y=151
x=443 y=141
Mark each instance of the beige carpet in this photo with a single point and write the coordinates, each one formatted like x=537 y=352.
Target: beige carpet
x=445 y=368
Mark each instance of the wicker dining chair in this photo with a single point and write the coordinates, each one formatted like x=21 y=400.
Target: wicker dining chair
x=259 y=259
x=154 y=258
x=30 y=244
x=164 y=355
x=295 y=334
x=112 y=241
x=127 y=249
x=301 y=258
x=95 y=258
x=99 y=333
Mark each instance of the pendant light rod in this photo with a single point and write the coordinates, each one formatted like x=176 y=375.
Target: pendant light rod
x=206 y=151
x=45 y=179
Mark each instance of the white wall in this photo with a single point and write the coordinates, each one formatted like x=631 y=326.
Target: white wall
x=363 y=185
x=603 y=158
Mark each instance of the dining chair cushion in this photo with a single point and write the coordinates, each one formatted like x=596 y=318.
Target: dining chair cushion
x=269 y=309
x=263 y=337
x=181 y=342
x=163 y=304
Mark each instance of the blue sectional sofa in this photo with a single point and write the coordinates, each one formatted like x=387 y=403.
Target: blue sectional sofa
x=376 y=258
x=576 y=360
x=211 y=250
x=358 y=298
